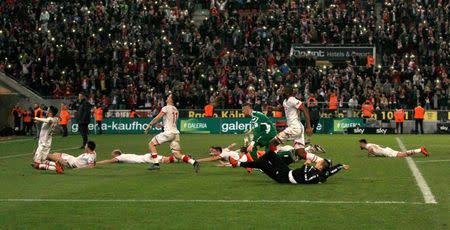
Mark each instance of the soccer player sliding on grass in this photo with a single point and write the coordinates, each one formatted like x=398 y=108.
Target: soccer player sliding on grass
x=119 y=157
x=57 y=161
x=169 y=114
x=380 y=151
x=222 y=155
x=276 y=169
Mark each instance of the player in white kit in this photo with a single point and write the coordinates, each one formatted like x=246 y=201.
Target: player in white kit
x=45 y=137
x=222 y=155
x=57 y=161
x=169 y=114
x=295 y=130
x=380 y=151
x=119 y=157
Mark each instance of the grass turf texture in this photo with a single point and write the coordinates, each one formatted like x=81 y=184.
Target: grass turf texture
x=373 y=179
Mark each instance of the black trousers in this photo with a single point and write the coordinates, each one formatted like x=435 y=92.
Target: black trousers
x=27 y=128
x=99 y=124
x=84 y=132
x=65 y=133
x=272 y=165
x=314 y=123
x=419 y=122
x=397 y=126
x=17 y=124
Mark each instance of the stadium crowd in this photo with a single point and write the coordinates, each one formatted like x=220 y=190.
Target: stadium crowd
x=128 y=53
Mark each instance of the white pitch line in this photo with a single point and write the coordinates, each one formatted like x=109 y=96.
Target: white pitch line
x=26 y=154
x=431 y=161
x=424 y=188
x=207 y=201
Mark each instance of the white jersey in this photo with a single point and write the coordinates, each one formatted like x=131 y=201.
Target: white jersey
x=46 y=134
x=170 y=119
x=291 y=106
x=227 y=153
x=285 y=148
x=85 y=160
x=380 y=151
x=137 y=159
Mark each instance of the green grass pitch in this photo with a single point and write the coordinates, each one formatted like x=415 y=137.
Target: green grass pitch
x=125 y=196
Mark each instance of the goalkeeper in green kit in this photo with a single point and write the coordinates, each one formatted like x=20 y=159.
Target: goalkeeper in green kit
x=263 y=132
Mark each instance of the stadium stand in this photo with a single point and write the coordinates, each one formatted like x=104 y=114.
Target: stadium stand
x=128 y=54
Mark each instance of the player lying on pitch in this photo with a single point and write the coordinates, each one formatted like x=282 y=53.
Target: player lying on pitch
x=119 y=157
x=57 y=161
x=380 y=151
x=223 y=155
x=276 y=169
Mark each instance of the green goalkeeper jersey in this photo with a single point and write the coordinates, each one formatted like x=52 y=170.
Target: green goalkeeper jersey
x=263 y=129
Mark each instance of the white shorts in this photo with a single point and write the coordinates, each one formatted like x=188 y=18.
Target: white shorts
x=386 y=152
x=173 y=138
x=69 y=159
x=41 y=153
x=293 y=133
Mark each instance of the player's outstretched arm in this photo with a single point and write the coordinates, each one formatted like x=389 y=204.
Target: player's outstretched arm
x=208 y=159
x=231 y=146
x=336 y=168
x=110 y=161
x=45 y=120
x=154 y=121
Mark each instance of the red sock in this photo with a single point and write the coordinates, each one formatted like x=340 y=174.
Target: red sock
x=249 y=157
x=186 y=158
x=273 y=148
x=171 y=159
x=303 y=156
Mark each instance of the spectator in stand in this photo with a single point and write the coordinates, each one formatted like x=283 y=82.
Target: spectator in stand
x=419 y=114
x=367 y=109
x=132 y=52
